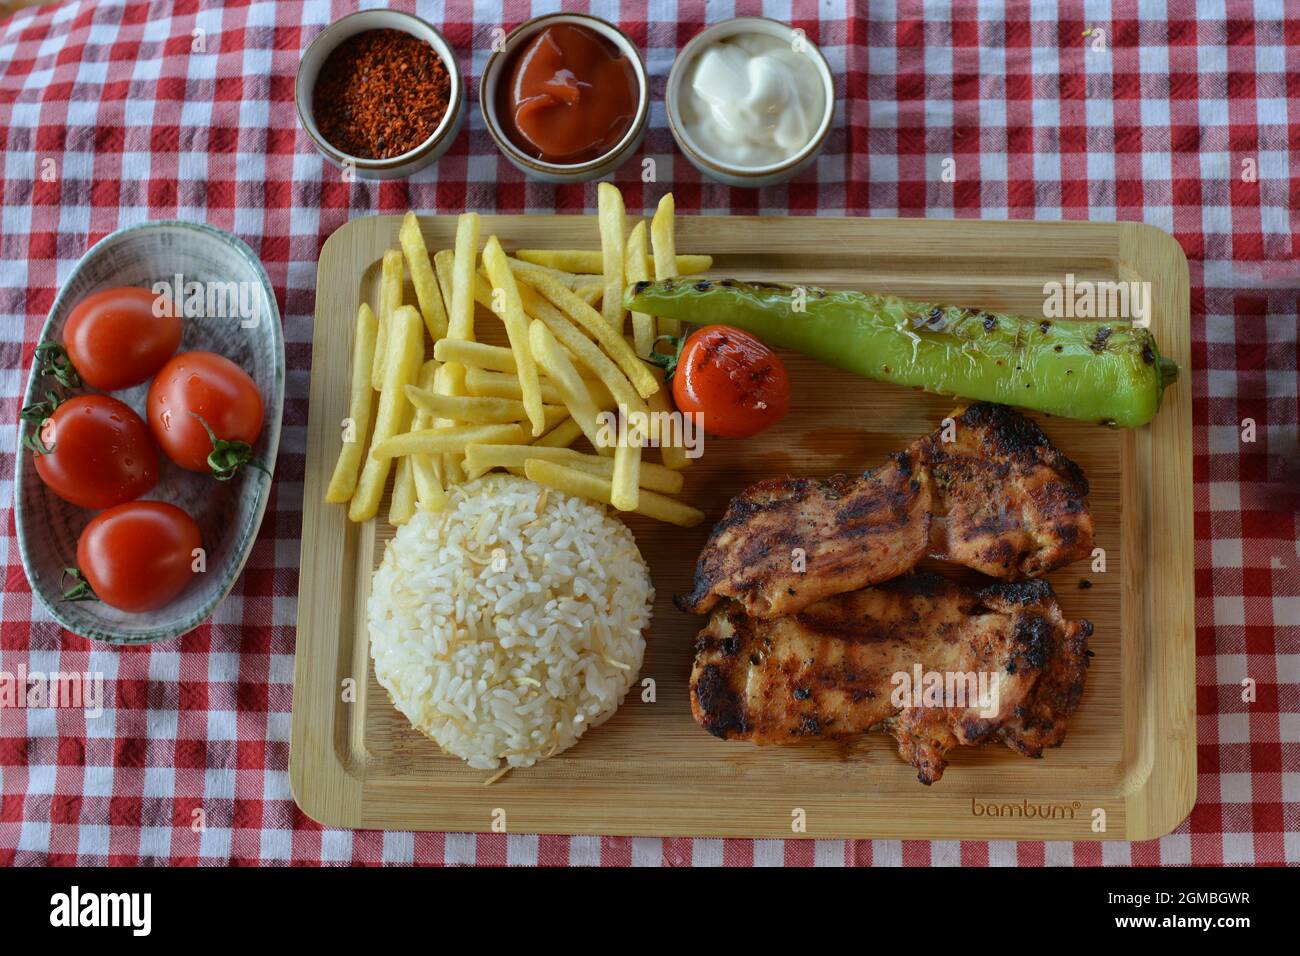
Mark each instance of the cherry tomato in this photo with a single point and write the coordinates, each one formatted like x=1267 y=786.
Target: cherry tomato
x=138 y=556
x=116 y=338
x=737 y=383
x=98 y=452
x=198 y=391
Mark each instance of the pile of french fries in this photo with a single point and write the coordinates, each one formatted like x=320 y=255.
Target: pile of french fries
x=451 y=408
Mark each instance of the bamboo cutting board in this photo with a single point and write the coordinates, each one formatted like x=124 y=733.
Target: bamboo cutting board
x=1128 y=763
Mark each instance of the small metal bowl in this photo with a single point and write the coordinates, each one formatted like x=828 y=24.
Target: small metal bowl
x=561 y=172
x=751 y=177
x=327 y=41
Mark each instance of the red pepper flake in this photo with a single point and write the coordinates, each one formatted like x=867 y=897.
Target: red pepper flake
x=380 y=93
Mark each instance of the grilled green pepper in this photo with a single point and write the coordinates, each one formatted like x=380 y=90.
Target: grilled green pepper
x=1108 y=372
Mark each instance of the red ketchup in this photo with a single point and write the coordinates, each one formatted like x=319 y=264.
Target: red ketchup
x=567 y=96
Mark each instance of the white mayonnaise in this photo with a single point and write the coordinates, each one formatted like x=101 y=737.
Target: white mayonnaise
x=752 y=100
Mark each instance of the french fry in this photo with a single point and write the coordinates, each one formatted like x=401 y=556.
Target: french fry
x=477 y=410
x=482 y=458
x=405 y=353
x=460 y=320
x=453 y=465
x=430 y=494
x=427 y=293
x=673 y=456
x=667 y=264
x=584 y=485
x=610 y=218
x=443 y=262
x=598 y=372
x=611 y=388
x=590 y=294
x=561 y=436
x=494 y=358
x=344 y=480
x=533 y=306
x=650 y=476
x=483 y=384
x=427 y=469
x=643 y=326
x=636 y=371
x=560 y=370
x=586 y=261
x=614 y=383
x=503 y=280
x=608 y=386
x=625 y=487
x=450 y=380
x=456 y=270
x=401 y=505
x=390 y=300
x=475 y=354
x=433 y=441
x=569 y=279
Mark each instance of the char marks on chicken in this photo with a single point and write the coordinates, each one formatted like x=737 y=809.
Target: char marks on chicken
x=990 y=492
x=829 y=670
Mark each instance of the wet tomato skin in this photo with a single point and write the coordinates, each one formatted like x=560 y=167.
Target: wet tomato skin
x=209 y=386
x=140 y=555
x=115 y=340
x=102 y=453
x=736 y=382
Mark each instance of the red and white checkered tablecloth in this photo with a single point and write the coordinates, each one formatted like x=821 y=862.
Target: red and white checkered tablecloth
x=1185 y=115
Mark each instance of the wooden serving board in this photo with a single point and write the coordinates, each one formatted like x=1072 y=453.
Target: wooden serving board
x=1130 y=753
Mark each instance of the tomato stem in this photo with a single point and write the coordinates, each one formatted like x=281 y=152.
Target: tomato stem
x=665 y=361
x=52 y=359
x=37 y=414
x=228 y=456
x=80 y=589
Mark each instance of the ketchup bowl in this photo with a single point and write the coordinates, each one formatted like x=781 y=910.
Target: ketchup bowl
x=565 y=97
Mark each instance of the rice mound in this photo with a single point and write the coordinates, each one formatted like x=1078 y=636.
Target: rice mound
x=508 y=624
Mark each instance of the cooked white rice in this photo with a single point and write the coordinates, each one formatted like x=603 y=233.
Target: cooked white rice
x=508 y=624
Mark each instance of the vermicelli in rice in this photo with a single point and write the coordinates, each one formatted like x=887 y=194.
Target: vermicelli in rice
x=508 y=624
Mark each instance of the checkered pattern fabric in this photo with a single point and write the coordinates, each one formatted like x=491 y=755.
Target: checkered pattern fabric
x=1180 y=114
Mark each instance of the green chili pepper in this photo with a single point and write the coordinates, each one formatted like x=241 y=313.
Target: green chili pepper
x=1109 y=372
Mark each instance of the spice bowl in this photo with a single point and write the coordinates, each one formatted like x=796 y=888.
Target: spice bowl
x=418 y=156
x=753 y=176
x=495 y=78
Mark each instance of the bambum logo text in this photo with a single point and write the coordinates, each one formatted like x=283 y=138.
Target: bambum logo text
x=1025 y=810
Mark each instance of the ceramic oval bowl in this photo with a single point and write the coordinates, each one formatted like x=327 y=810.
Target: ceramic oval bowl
x=562 y=172
x=318 y=51
x=241 y=322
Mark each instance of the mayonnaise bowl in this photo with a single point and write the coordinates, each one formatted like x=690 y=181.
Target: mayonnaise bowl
x=750 y=101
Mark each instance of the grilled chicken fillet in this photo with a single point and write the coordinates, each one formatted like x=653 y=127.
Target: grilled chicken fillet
x=998 y=497
x=829 y=670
